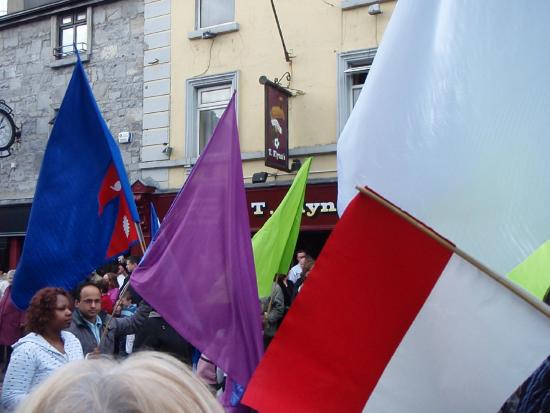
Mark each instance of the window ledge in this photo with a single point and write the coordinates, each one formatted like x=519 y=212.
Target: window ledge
x=172 y=163
x=219 y=29
x=69 y=60
x=351 y=4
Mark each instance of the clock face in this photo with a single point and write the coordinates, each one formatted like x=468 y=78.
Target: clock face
x=7 y=130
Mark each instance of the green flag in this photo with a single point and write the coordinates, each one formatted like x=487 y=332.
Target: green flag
x=533 y=274
x=274 y=243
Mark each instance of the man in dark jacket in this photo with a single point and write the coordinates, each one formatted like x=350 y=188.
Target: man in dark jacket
x=131 y=264
x=89 y=323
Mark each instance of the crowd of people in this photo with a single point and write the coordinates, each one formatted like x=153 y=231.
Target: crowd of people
x=100 y=324
x=285 y=289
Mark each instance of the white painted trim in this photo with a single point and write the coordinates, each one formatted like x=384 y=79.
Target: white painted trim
x=192 y=86
x=343 y=85
x=351 y=4
x=219 y=29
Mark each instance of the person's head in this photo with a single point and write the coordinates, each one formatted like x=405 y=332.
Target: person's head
x=300 y=256
x=50 y=310
x=103 y=286
x=126 y=299
x=132 y=262
x=88 y=300
x=110 y=277
x=11 y=274
x=121 y=269
x=308 y=264
x=280 y=277
x=145 y=382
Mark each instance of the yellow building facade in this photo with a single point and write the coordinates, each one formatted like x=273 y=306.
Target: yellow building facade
x=212 y=47
x=197 y=53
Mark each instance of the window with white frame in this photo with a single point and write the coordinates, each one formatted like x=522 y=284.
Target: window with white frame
x=207 y=98
x=214 y=12
x=211 y=102
x=353 y=69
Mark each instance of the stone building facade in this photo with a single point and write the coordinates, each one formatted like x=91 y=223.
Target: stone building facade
x=34 y=74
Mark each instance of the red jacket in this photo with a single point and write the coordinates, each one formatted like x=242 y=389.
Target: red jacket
x=106 y=303
x=12 y=320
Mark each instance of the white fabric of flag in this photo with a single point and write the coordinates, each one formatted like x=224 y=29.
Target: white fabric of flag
x=453 y=124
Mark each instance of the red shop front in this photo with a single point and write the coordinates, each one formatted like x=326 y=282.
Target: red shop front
x=318 y=218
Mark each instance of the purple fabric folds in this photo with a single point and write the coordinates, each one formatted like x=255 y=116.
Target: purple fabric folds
x=199 y=271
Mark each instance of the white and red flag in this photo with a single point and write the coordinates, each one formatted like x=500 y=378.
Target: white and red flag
x=392 y=319
x=452 y=125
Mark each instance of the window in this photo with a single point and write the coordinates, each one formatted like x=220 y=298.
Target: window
x=214 y=12
x=71 y=27
x=206 y=99
x=213 y=17
x=211 y=103
x=353 y=69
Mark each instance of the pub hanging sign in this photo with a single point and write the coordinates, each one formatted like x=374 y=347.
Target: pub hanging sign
x=276 y=125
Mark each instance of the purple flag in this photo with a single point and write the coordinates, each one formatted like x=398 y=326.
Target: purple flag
x=199 y=271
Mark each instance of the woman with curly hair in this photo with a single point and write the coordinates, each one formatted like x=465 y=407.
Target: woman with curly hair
x=45 y=348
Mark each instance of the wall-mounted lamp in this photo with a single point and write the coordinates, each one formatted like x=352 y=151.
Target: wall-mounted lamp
x=259 y=177
x=374 y=9
x=167 y=150
x=208 y=35
x=296 y=165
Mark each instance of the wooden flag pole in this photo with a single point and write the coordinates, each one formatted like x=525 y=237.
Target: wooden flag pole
x=140 y=236
x=531 y=299
x=126 y=286
x=106 y=327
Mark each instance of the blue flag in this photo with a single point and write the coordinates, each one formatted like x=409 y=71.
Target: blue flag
x=83 y=213
x=155 y=222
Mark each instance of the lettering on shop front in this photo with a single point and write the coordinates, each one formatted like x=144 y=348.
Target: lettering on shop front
x=311 y=209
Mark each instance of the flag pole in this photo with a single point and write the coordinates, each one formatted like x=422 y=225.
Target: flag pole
x=123 y=291
x=106 y=328
x=531 y=299
x=140 y=236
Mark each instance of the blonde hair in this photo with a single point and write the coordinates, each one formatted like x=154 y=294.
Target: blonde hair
x=145 y=382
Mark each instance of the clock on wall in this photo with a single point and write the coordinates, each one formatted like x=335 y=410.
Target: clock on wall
x=8 y=131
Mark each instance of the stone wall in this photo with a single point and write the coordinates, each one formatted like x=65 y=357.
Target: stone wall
x=34 y=89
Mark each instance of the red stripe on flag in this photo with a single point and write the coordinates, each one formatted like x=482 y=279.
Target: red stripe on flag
x=124 y=232
x=110 y=187
x=369 y=283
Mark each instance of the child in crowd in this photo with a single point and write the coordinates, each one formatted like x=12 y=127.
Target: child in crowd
x=106 y=303
x=128 y=309
x=113 y=291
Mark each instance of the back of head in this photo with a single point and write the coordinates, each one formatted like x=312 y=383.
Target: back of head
x=308 y=264
x=146 y=382
x=133 y=259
